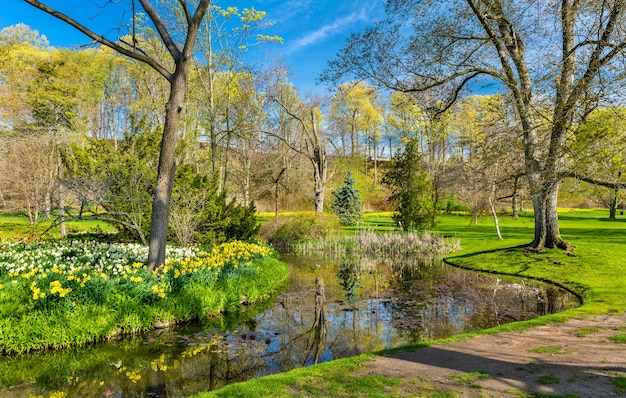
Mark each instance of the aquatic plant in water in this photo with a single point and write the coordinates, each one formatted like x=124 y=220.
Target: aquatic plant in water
x=380 y=245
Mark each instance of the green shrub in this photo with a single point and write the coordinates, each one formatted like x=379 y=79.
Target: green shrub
x=299 y=228
x=452 y=204
x=618 y=338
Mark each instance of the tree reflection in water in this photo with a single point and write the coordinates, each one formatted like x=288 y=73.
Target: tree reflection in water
x=332 y=309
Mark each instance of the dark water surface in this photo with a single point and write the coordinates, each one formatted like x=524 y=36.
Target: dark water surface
x=331 y=309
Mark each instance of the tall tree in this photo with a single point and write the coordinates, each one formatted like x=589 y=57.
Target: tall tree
x=300 y=128
x=313 y=146
x=43 y=100
x=460 y=44
x=411 y=190
x=405 y=117
x=21 y=34
x=176 y=72
x=490 y=154
x=226 y=35
x=281 y=171
x=54 y=112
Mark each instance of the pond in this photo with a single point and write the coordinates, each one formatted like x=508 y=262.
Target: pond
x=331 y=309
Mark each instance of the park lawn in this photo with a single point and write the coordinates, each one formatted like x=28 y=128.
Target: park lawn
x=16 y=226
x=595 y=270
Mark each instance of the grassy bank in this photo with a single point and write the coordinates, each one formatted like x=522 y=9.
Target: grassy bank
x=595 y=271
x=59 y=294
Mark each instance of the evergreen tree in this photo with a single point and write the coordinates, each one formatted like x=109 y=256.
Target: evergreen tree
x=411 y=190
x=347 y=204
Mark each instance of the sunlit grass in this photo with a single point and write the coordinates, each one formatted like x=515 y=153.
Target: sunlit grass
x=16 y=226
x=330 y=379
x=594 y=270
x=586 y=331
x=550 y=349
x=618 y=338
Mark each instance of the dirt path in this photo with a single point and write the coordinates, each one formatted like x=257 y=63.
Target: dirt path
x=575 y=357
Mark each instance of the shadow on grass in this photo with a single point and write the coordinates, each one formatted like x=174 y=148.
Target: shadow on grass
x=569 y=217
x=603 y=235
x=511 y=370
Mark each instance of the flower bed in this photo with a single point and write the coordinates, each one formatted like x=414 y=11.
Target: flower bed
x=64 y=293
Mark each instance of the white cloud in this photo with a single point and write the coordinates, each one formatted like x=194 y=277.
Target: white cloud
x=337 y=26
x=290 y=10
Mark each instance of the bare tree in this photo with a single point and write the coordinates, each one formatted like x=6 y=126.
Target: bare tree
x=313 y=148
x=27 y=174
x=177 y=75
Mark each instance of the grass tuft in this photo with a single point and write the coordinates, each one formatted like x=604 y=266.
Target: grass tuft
x=584 y=332
x=470 y=379
x=619 y=384
x=548 y=380
x=550 y=349
x=618 y=338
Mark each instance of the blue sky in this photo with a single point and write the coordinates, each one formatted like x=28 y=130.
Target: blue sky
x=313 y=30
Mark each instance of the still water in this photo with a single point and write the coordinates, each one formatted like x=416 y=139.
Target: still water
x=330 y=310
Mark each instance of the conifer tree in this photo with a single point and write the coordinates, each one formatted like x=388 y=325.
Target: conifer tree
x=411 y=190
x=347 y=204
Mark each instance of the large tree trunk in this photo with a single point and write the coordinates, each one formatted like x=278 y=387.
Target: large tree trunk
x=276 y=192
x=173 y=108
x=320 y=165
x=320 y=187
x=547 y=233
x=167 y=165
x=553 y=235
x=613 y=195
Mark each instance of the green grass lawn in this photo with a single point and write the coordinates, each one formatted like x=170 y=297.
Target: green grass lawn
x=13 y=225
x=596 y=270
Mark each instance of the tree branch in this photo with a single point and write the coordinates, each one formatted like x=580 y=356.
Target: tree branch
x=590 y=180
x=185 y=7
x=160 y=27
x=139 y=56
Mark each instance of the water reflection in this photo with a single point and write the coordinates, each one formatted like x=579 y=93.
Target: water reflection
x=332 y=309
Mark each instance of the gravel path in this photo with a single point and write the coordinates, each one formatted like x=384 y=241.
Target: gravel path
x=577 y=357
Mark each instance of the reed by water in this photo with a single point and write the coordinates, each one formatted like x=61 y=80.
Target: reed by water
x=381 y=245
